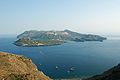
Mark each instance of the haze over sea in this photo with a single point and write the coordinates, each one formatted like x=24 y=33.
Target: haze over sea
x=88 y=58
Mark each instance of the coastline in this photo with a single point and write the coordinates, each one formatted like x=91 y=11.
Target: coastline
x=74 y=78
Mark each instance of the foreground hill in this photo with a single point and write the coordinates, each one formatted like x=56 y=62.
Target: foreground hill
x=111 y=74
x=15 y=67
x=43 y=38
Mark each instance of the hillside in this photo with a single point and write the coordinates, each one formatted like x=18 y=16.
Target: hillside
x=16 y=67
x=111 y=74
x=43 y=38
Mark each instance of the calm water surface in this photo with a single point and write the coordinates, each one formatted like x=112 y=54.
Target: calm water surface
x=88 y=58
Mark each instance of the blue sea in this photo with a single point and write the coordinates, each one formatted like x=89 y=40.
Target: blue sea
x=87 y=58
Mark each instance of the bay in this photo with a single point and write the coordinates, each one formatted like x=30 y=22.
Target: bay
x=87 y=58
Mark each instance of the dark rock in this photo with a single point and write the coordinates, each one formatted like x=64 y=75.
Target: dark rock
x=111 y=74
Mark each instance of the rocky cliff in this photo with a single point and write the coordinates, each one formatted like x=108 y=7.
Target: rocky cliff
x=16 y=67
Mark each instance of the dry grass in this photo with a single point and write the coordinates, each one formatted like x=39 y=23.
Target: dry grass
x=16 y=67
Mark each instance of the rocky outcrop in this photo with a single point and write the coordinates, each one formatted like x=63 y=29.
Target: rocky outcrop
x=111 y=74
x=16 y=67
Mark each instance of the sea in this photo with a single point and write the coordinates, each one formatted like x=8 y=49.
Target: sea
x=71 y=59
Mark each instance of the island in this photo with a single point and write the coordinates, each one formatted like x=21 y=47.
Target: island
x=17 y=67
x=49 y=38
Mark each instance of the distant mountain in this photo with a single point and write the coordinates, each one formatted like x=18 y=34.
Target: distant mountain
x=111 y=74
x=33 y=37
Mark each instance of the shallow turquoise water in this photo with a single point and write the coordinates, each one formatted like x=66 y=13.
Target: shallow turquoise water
x=88 y=58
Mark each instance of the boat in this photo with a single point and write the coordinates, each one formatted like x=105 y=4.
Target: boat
x=56 y=67
x=72 y=69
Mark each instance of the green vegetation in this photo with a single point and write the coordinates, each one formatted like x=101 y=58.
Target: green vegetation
x=29 y=42
x=48 y=38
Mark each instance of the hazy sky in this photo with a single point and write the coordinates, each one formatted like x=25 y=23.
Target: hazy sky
x=85 y=16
